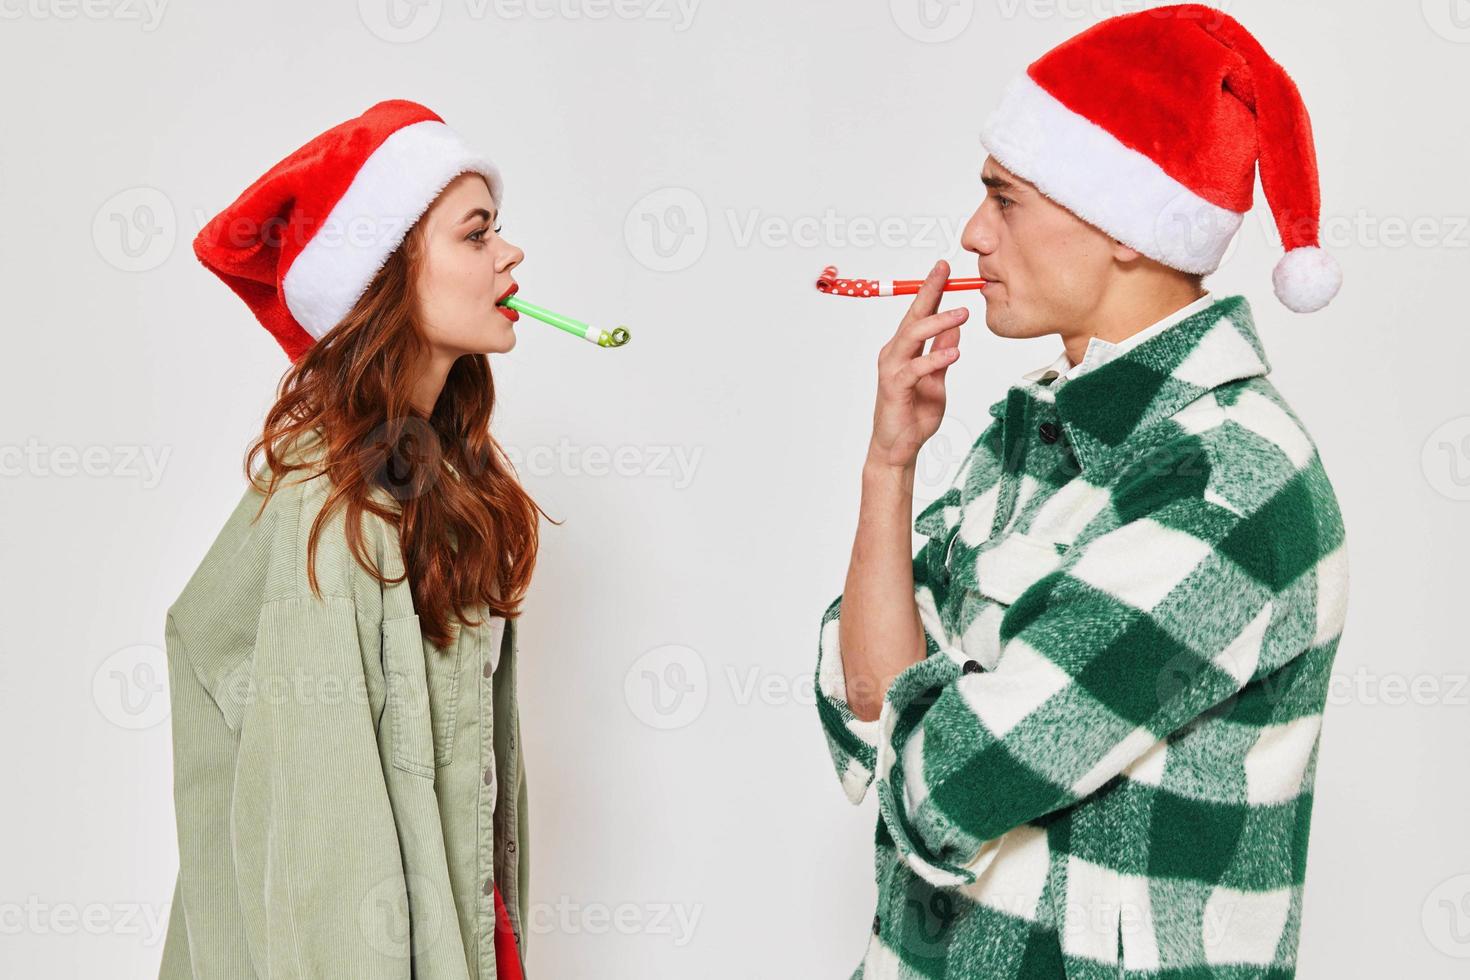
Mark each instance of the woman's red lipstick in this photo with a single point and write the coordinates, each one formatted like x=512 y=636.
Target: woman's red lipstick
x=506 y=311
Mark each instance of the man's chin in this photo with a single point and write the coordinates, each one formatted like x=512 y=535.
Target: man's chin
x=1009 y=323
x=1000 y=319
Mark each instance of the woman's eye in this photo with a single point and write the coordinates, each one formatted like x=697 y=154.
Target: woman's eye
x=497 y=229
x=477 y=235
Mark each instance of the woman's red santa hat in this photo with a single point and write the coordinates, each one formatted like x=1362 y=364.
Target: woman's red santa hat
x=301 y=245
x=1150 y=125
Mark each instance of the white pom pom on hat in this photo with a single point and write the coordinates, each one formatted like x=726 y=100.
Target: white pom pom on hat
x=1102 y=125
x=1306 y=279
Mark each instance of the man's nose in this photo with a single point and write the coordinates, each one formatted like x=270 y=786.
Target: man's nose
x=978 y=236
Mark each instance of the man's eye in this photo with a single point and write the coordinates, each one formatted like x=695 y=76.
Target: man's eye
x=1003 y=201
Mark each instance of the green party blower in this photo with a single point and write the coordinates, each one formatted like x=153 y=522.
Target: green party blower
x=616 y=337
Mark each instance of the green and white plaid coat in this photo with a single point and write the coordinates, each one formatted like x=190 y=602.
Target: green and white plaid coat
x=1131 y=600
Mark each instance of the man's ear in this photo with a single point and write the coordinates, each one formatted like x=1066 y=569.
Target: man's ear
x=1125 y=253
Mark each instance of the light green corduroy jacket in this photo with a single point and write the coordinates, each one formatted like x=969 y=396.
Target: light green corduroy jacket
x=345 y=792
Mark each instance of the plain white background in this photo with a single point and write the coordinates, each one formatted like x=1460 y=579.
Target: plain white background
x=685 y=170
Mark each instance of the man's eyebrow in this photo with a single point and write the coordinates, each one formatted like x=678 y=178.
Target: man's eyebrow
x=998 y=183
x=480 y=213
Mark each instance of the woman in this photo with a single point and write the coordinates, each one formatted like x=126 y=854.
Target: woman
x=348 y=787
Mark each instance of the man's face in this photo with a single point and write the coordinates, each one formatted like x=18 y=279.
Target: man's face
x=1047 y=267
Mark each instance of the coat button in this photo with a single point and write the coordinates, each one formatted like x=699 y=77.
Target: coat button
x=487 y=668
x=1048 y=432
x=510 y=848
x=489 y=776
x=876 y=923
x=489 y=884
x=971 y=667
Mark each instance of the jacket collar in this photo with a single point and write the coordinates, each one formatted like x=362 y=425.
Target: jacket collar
x=1100 y=351
x=1147 y=383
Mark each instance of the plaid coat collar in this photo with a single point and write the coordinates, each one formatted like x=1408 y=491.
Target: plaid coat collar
x=1100 y=351
x=1104 y=408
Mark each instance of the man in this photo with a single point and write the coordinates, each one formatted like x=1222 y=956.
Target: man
x=1092 y=701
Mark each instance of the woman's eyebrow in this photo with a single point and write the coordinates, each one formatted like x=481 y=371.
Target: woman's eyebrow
x=480 y=213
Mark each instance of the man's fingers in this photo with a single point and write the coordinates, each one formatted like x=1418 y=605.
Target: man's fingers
x=934 y=326
x=923 y=366
x=926 y=301
x=906 y=346
x=948 y=338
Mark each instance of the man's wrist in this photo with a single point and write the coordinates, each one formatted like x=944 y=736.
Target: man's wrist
x=879 y=474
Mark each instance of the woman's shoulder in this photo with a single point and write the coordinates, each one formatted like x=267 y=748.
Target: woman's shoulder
x=306 y=487
x=280 y=532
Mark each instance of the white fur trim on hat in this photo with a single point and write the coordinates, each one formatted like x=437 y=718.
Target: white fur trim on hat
x=391 y=190
x=1084 y=168
x=1306 y=279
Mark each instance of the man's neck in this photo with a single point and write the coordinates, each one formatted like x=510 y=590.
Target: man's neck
x=1122 y=316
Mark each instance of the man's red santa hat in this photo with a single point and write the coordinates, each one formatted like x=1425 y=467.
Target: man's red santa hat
x=1150 y=126
x=301 y=245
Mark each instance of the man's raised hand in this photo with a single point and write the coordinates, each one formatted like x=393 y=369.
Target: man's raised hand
x=910 y=403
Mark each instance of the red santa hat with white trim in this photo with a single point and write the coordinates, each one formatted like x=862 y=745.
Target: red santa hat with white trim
x=1150 y=126
x=301 y=245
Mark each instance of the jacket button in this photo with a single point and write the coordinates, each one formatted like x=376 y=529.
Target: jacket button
x=489 y=776
x=1049 y=432
x=876 y=923
x=487 y=668
x=489 y=885
x=971 y=667
x=510 y=848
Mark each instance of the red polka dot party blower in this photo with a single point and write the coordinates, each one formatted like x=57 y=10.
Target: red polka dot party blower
x=829 y=283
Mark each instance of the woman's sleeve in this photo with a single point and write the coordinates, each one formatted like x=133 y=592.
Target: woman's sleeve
x=315 y=849
x=1140 y=631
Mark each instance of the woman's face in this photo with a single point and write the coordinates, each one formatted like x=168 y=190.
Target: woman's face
x=466 y=270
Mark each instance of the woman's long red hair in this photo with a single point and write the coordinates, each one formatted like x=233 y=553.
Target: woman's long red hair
x=469 y=537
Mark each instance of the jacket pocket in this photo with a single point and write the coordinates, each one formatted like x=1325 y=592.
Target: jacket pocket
x=1013 y=563
x=408 y=696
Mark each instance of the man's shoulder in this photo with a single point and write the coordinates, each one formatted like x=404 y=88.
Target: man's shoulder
x=1249 y=411
x=1253 y=453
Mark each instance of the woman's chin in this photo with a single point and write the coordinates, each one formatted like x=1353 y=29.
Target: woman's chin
x=501 y=339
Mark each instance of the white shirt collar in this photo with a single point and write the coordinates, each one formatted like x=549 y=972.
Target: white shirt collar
x=1100 y=351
